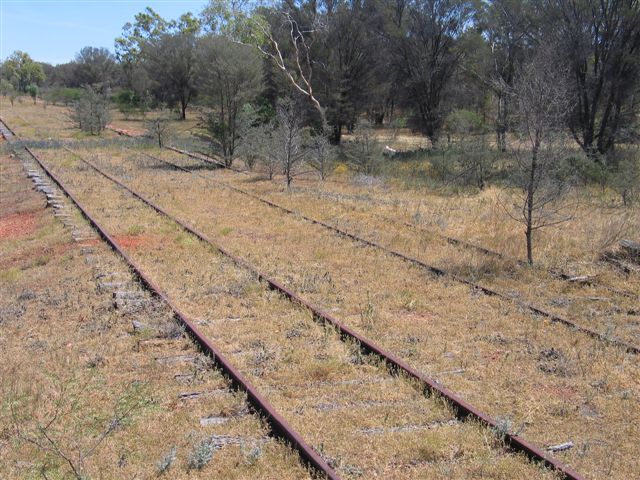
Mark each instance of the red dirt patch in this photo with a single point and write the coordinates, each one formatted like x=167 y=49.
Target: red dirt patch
x=134 y=241
x=18 y=225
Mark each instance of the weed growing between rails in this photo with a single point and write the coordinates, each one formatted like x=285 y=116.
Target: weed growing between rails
x=67 y=349
x=253 y=332
x=478 y=355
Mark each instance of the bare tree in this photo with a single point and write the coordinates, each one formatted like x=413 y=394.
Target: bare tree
x=159 y=128
x=543 y=102
x=283 y=143
x=321 y=155
x=290 y=138
x=257 y=147
x=62 y=425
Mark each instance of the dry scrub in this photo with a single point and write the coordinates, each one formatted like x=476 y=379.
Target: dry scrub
x=553 y=384
x=365 y=422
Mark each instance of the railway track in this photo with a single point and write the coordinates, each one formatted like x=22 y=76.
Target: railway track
x=278 y=425
x=462 y=409
x=201 y=156
x=176 y=372
x=437 y=271
x=6 y=131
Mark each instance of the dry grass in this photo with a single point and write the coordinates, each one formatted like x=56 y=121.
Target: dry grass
x=554 y=384
x=592 y=306
x=549 y=382
x=364 y=421
x=43 y=121
x=64 y=349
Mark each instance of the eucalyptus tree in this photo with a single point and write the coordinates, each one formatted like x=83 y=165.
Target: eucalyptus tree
x=167 y=52
x=95 y=66
x=284 y=34
x=20 y=69
x=427 y=56
x=509 y=29
x=229 y=76
x=600 y=40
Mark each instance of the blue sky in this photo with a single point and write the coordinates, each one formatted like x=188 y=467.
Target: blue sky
x=54 y=31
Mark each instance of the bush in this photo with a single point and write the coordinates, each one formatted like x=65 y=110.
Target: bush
x=624 y=177
x=364 y=152
x=92 y=111
x=130 y=102
x=464 y=122
x=201 y=454
x=66 y=96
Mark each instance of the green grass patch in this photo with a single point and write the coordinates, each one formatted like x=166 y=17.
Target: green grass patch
x=135 y=230
x=41 y=261
x=10 y=276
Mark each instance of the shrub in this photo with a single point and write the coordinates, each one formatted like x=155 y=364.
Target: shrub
x=92 y=111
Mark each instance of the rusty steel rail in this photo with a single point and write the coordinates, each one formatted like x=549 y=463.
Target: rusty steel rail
x=4 y=129
x=451 y=240
x=395 y=364
x=205 y=158
x=419 y=263
x=279 y=426
x=486 y=251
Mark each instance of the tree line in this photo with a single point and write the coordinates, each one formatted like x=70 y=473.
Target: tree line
x=281 y=83
x=379 y=58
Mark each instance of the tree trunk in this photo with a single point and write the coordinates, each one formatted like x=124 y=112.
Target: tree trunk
x=336 y=137
x=501 y=123
x=183 y=109
x=529 y=234
x=529 y=209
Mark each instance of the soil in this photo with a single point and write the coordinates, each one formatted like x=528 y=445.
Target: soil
x=18 y=225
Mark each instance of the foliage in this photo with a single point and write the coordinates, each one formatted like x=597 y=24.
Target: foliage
x=463 y=122
x=428 y=57
x=91 y=111
x=66 y=96
x=165 y=463
x=95 y=66
x=33 y=91
x=22 y=71
x=625 y=176
x=201 y=454
x=364 y=152
x=8 y=90
x=600 y=41
x=64 y=427
x=5 y=87
x=229 y=77
x=282 y=143
x=167 y=52
x=130 y=102
x=253 y=131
